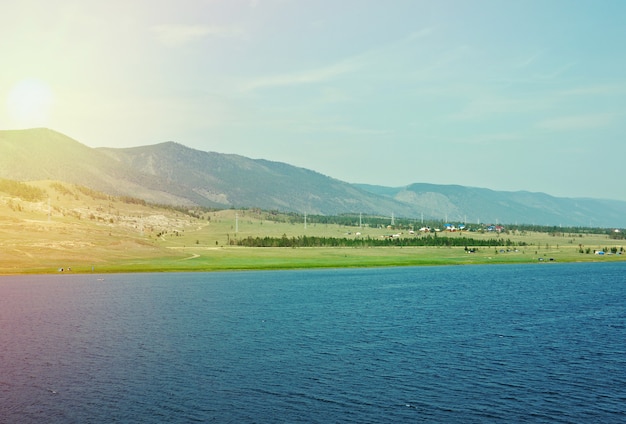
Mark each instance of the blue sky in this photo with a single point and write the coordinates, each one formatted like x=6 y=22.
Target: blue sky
x=507 y=95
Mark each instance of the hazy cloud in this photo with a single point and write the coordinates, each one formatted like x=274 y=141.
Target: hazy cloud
x=424 y=32
x=556 y=73
x=304 y=77
x=597 y=90
x=176 y=35
x=488 y=106
x=578 y=122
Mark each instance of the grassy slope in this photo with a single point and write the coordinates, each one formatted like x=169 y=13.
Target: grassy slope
x=104 y=234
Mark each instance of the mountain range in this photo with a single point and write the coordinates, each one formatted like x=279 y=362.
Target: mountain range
x=171 y=173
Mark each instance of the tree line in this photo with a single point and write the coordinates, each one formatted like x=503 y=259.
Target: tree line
x=22 y=190
x=316 y=241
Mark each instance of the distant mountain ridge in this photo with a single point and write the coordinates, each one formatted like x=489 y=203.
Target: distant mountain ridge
x=172 y=173
x=471 y=204
x=226 y=180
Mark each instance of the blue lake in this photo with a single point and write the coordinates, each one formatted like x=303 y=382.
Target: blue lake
x=505 y=343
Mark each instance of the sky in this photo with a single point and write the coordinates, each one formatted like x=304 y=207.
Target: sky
x=507 y=95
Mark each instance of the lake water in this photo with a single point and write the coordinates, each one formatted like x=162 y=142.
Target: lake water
x=500 y=343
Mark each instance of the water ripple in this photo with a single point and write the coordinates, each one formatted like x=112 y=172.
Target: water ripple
x=444 y=344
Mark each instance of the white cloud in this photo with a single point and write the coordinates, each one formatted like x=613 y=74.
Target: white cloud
x=176 y=35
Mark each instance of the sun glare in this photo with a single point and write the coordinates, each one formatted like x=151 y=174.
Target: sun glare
x=29 y=103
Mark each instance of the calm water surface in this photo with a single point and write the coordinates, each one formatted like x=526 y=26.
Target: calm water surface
x=508 y=343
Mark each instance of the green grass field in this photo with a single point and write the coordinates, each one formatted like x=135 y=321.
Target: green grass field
x=101 y=234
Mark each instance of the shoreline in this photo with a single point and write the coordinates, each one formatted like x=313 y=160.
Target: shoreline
x=233 y=259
